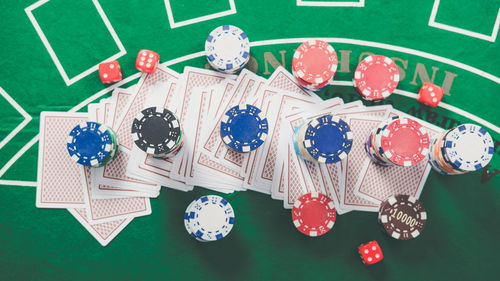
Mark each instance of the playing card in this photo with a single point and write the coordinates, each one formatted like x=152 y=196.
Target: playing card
x=192 y=78
x=292 y=116
x=376 y=183
x=58 y=180
x=105 y=210
x=354 y=160
x=210 y=173
x=324 y=177
x=102 y=232
x=262 y=174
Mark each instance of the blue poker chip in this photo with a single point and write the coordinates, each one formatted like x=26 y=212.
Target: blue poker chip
x=244 y=128
x=227 y=48
x=89 y=143
x=210 y=218
x=328 y=139
x=468 y=147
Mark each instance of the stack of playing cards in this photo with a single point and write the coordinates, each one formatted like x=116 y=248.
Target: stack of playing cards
x=106 y=199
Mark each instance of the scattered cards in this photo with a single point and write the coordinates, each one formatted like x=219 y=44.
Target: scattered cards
x=104 y=200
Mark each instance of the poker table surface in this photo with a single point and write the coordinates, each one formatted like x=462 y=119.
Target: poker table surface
x=49 y=54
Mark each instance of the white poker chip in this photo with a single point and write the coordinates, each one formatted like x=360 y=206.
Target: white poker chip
x=227 y=48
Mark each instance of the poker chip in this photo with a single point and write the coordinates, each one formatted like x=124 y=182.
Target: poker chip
x=376 y=77
x=397 y=141
x=403 y=217
x=460 y=150
x=244 y=128
x=468 y=147
x=314 y=214
x=210 y=218
x=325 y=139
x=312 y=87
x=187 y=220
x=404 y=142
x=315 y=62
x=157 y=131
x=298 y=142
x=91 y=144
x=227 y=48
x=371 y=153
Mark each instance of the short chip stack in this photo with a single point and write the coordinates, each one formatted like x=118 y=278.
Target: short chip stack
x=376 y=77
x=463 y=149
x=398 y=141
x=157 y=131
x=227 y=49
x=403 y=217
x=244 y=128
x=92 y=144
x=325 y=139
x=314 y=64
x=209 y=218
x=314 y=214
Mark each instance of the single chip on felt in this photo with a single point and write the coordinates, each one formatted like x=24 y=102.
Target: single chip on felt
x=403 y=217
x=314 y=214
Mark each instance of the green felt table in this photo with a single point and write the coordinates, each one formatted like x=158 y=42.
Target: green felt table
x=49 y=51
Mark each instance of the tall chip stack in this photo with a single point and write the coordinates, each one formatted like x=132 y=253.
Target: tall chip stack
x=398 y=141
x=157 y=131
x=376 y=77
x=227 y=49
x=325 y=139
x=92 y=144
x=460 y=150
x=314 y=64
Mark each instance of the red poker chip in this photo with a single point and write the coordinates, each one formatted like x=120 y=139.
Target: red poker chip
x=314 y=214
x=312 y=86
x=315 y=62
x=405 y=142
x=376 y=77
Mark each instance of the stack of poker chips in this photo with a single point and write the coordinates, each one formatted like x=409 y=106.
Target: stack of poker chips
x=209 y=218
x=397 y=141
x=402 y=217
x=227 y=49
x=157 y=131
x=314 y=214
x=376 y=77
x=314 y=64
x=463 y=149
x=243 y=128
x=325 y=139
x=92 y=144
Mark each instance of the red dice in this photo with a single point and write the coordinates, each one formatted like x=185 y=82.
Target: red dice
x=110 y=72
x=430 y=94
x=370 y=252
x=147 y=61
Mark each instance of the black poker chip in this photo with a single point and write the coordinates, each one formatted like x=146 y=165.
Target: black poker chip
x=156 y=131
x=403 y=217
